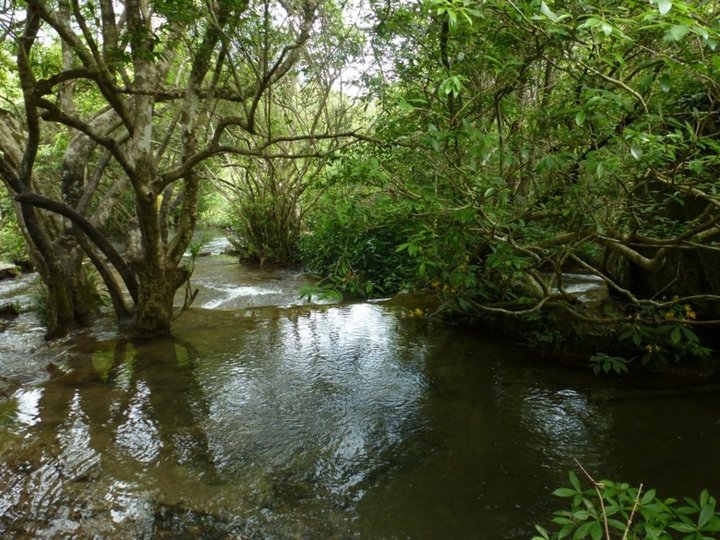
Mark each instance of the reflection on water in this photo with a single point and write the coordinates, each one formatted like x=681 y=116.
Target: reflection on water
x=22 y=334
x=336 y=422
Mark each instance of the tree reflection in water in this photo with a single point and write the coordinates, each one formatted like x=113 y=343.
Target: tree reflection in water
x=116 y=444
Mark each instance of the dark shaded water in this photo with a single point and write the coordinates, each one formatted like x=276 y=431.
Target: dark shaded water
x=328 y=422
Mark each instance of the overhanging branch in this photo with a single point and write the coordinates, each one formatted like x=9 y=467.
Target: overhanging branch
x=37 y=200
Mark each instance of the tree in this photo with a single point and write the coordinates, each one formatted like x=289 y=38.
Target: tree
x=310 y=117
x=136 y=64
x=534 y=138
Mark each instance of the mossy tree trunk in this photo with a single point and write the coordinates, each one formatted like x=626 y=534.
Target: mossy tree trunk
x=129 y=90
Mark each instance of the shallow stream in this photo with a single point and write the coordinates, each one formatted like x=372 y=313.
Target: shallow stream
x=344 y=421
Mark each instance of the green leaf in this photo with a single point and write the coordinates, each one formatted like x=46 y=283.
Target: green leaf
x=565 y=531
x=636 y=152
x=581 y=515
x=564 y=492
x=648 y=497
x=706 y=514
x=683 y=527
x=583 y=531
x=544 y=534
x=580 y=118
x=665 y=83
x=591 y=22
x=545 y=10
x=689 y=334
x=600 y=170
x=677 y=32
x=676 y=335
x=664 y=6
x=617 y=524
x=700 y=31
x=714 y=525
x=405 y=106
x=574 y=480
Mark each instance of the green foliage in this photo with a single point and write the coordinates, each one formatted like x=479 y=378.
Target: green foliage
x=602 y=362
x=660 y=336
x=455 y=10
x=446 y=261
x=215 y=210
x=352 y=243
x=93 y=284
x=325 y=292
x=12 y=243
x=266 y=229
x=540 y=140
x=610 y=510
x=667 y=337
x=42 y=305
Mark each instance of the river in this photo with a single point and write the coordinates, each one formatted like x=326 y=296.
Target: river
x=320 y=421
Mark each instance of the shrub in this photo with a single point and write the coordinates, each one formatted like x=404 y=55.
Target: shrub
x=353 y=243
x=610 y=510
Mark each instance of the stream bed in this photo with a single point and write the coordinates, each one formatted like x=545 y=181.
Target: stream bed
x=312 y=421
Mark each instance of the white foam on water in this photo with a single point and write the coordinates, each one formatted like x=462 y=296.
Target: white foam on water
x=231 y=293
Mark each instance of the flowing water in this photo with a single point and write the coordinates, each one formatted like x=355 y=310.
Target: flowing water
x=21 y=337
x=344 y=421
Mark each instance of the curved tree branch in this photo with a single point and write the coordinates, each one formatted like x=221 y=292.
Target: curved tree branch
x=39 y=201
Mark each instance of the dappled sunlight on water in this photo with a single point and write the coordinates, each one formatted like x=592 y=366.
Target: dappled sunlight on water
x=322 y=422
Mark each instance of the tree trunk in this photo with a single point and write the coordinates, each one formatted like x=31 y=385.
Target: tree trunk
x=156 y=292
x=682 y=272
x=124 y=128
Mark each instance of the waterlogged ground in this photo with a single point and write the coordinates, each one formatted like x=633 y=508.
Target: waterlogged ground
x=355 y=421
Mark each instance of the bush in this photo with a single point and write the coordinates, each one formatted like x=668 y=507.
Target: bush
x=12 y=243
x=266 y=229
x=610 y=510
x=353 y=243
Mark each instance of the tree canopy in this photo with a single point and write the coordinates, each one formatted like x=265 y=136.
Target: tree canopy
x=488 y=149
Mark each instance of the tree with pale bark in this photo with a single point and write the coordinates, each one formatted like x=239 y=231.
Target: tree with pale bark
x=149 y=91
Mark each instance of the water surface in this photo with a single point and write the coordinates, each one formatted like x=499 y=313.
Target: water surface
x=356 y=421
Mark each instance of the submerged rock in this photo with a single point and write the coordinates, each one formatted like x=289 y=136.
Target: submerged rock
x=8 y=271
x=9 y=311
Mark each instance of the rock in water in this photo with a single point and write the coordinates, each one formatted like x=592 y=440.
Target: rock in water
x=8 y=270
